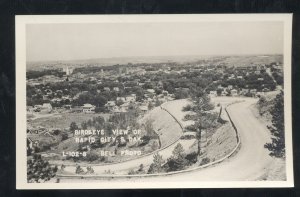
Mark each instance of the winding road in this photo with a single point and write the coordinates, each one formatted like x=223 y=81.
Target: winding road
x=249 y=163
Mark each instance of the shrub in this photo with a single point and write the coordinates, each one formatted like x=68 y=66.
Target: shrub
x=176 y=164
x=204 y=161
x=39 y=170
x=187 y=108
x=91 y=156
x=156 y=166
x=191 y=158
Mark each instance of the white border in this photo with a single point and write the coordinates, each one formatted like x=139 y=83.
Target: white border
x=21 y=161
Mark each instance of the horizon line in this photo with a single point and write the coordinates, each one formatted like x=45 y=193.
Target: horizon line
x=207 y=55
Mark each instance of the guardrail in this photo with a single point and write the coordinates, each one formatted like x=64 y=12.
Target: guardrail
x=173 y=117
x=232 y=123
x=109 y=176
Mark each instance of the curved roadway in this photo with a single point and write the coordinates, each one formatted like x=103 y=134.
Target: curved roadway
x=249 y=163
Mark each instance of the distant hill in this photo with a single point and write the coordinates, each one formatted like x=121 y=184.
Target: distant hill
x=230 y=60
x=249 y=60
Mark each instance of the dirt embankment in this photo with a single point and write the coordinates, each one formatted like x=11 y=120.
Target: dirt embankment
x=277 y=169
x=222 y=142
x=164 y=125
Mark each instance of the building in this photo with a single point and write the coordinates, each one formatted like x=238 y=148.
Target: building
x=131 y=98
x=88 y=108
x=151 y=91
x=46 y=107
x=213 y=93
x=253 y=91
x=106 y=89
x=123 y=99
x=257 y=72
x=124 y=107
x=234 y=92
x=144 y=108
x=244 y=91
x=116 y=89
x=110 y=105
x=68 y=70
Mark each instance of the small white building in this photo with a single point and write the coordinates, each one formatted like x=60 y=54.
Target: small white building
x=244 y=91
x=131 y=98
x=213 y=93
x=123 y=99
x=88 y=108
x=117 y=89
x=229 y=87
x=106 y=89
x=46 y=107
x=124 y=107
x=151 y=91
x=234 y=92
x=144 y=108
x=253 y=91
x=110 y=105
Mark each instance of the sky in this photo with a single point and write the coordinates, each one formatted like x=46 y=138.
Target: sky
x=48 y=42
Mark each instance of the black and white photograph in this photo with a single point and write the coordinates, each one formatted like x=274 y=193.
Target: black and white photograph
x=153 y=101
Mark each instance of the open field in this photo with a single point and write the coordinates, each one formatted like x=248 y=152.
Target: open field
x=63 y=120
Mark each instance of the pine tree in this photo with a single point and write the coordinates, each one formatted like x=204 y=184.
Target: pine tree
x=156 y=166
x=277 y=146
x=39 y=170
x=178 y=151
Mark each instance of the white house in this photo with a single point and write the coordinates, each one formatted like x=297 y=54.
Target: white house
x=131 y=98
x=253 y=91
x=116 y=89
x=88 y=108
x=46 y=107
x=106 y=88
x=110 y=104
x=144 y=108
x=244 y=91
x=124 y=107
x=151 y=91
x=123 y=99
x=234 y=92
x=229 y=87
x=213 y=93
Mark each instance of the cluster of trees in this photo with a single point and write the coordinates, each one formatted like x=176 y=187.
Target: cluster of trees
x=249 y=82
x=278 y=78
x=32 y=74
x=179 y=160
x=277 y=146
x=39 y=170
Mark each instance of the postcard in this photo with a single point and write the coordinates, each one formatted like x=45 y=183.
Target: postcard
x=153 y=101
